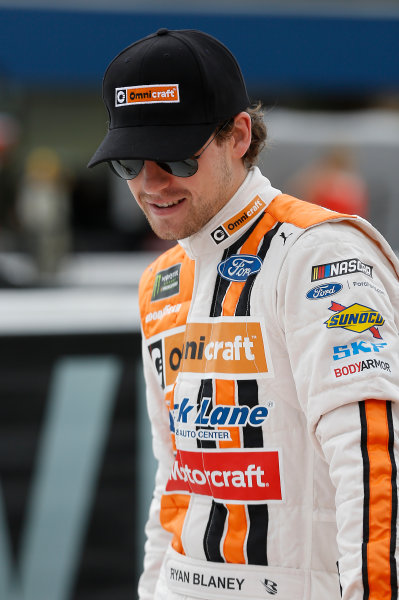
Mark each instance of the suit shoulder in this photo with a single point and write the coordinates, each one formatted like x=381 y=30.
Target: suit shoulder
x=288 y=209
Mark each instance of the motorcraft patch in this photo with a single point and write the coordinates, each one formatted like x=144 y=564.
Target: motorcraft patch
x=239 y=267
x=238 y=475
x=356 y=318
x=167 y=283
x=340 y=267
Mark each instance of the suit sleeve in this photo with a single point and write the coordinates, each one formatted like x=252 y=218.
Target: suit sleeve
x=157 y=538
x=341 y=331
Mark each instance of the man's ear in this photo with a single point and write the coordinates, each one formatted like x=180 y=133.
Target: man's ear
x=241 y=134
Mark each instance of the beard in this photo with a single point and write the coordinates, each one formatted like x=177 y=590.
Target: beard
x=200 y=207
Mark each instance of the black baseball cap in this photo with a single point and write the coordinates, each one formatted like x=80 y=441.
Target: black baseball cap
x=165 y=95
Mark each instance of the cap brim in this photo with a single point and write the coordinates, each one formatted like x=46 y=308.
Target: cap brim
x=158 y=143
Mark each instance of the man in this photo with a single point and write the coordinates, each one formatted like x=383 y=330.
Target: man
x=270 y=349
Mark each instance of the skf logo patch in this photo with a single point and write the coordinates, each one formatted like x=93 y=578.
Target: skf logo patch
x=234 y=224
x=341 y=267
x=357 y=348
x=357 y=318
x=239 y=267
x=147 y=94
x=167 y=283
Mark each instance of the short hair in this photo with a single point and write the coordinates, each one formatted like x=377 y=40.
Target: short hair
x=258 y=134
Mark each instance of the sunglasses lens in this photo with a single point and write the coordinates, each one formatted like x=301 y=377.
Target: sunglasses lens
x=181 y=168
x=127 y=169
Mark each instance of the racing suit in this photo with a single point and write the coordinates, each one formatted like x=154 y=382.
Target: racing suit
x=270 y=349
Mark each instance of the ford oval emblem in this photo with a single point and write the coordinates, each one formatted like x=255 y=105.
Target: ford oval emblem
x=324 y=290
x=239 y=267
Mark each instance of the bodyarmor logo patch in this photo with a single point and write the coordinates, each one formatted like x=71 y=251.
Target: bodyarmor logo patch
x=358 y=367
x=356 y=318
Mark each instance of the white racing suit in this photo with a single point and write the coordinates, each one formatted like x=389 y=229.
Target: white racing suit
x=270 y=348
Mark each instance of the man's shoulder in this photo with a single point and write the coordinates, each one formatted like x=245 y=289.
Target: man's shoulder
x=165 y=272
x=288 y=209
x=168 y=257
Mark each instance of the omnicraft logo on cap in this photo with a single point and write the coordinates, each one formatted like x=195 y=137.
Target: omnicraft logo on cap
x=147 y=94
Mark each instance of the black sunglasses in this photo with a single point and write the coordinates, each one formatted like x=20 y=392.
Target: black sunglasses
x=129 y=169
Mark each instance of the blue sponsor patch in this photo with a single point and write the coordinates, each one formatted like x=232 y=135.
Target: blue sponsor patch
x=356 y=348
x=239 y=267
x=324 y=290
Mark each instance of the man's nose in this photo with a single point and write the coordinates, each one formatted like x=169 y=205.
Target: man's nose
x=154 y=178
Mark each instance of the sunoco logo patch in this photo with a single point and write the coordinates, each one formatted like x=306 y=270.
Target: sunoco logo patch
x=357 y=318
x=167 y=283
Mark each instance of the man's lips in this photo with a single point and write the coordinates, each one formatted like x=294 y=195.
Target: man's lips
x=164 y=206
x=167 y=204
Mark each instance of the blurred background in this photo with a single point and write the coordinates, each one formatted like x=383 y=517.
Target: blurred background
x=76 y=463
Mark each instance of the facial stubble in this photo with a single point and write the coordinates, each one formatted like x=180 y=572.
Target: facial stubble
x=201 y=208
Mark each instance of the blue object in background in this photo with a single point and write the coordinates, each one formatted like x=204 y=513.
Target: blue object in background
x=340 y=54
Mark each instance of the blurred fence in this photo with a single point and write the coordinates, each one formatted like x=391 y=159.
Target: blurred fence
x=76 y=466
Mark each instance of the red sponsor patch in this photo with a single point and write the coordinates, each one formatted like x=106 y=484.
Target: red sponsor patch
x=234 y=476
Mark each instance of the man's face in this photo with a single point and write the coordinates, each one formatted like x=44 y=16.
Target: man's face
x=178 y=207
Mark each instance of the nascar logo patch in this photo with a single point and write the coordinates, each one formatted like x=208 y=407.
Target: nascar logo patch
x=356 y=318
x=340 y=267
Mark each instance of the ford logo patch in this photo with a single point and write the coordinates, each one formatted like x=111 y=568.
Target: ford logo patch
x=324 y=290
x=239 y=267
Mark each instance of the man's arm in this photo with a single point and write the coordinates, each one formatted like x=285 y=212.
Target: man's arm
x=359 y=445
x=347 y=378
x=157 y=538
